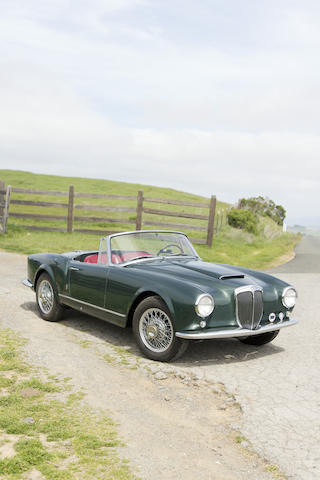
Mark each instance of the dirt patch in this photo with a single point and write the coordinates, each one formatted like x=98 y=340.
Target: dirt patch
x=29 y=392
x=33 y=475
x=7 y=445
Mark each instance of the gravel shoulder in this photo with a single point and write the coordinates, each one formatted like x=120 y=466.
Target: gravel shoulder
x=177 y=421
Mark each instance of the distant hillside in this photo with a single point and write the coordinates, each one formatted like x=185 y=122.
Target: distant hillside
x=18 y=178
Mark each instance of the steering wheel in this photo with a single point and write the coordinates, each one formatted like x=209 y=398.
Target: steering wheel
x=164 y=249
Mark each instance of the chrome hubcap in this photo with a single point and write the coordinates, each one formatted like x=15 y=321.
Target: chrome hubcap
x=151 y=331
x=45 y=297
x=156 y=330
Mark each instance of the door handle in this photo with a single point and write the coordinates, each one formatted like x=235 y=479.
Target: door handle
x=75 y=269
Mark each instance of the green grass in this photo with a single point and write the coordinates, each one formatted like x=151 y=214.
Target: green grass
x=229 y=245
x=63 y=440
x=258 y=252
x=240 y=439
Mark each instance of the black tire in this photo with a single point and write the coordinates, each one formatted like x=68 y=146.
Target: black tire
x=154 y=332
x=261 y=339
x=47 y=301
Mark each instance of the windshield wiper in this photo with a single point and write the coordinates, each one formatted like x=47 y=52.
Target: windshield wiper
x=141 y=257
x=179 y=255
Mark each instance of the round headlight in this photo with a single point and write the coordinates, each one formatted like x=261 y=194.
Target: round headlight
x=204 y=305
x=289 y=297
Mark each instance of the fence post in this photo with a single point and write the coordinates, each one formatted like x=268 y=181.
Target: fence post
x=139 y=210
x=2 y=203
x=6 y=209
x=70 y=209
x=212 y=211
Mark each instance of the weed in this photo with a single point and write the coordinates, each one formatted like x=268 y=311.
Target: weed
x=85 y=343
x=240 y=439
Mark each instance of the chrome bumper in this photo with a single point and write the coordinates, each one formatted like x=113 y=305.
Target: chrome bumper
x=26 y=283
x=234 y=332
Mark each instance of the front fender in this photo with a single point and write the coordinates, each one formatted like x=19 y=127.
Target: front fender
x=180 y=299
x=46 y=269
x=143 y=292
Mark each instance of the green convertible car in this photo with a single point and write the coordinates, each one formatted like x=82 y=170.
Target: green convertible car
x=154 y=282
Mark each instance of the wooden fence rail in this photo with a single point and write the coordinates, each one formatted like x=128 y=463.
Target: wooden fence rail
x=143 y=213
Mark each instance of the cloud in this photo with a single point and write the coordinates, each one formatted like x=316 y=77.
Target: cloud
x=210 y=98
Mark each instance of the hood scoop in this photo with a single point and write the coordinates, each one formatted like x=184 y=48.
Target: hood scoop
x=227 y=277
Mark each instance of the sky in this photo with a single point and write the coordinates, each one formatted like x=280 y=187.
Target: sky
x=211 y=97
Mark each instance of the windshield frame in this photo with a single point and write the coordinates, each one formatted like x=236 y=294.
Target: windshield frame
x=109 y=238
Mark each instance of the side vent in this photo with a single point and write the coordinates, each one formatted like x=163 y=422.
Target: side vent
x=226 y=277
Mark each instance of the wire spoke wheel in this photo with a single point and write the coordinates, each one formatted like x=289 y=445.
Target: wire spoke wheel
x=153 y=328
x=156 y=330
x=45 y=297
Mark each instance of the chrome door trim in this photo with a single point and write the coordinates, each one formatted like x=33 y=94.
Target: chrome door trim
x=92 y=306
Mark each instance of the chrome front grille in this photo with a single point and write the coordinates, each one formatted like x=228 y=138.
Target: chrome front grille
x=249 y=306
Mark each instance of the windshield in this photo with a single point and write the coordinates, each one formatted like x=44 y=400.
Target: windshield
x=140 y=245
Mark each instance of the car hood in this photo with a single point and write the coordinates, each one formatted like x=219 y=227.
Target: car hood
x=214 y=275
x=212 y=270
x=207 y=274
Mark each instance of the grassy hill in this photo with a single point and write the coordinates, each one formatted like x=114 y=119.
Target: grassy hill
x=233 y=246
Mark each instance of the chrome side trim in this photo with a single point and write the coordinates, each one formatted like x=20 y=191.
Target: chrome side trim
x=234 y=332
x=92 y=306
x=26 y=283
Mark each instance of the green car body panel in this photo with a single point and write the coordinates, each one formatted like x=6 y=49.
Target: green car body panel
x=111 y=292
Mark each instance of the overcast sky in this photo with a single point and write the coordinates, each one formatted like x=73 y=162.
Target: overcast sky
x=211 y=97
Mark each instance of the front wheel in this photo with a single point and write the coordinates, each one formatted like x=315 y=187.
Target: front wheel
x=48 y=305
x=154 y=333
x=261 y=339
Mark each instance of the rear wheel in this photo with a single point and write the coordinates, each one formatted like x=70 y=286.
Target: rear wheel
x=48 y=305
x=261 y=339
x=154 y=332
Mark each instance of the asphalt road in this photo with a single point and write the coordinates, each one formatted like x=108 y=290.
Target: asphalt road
x=307 y=259
x=278 y=385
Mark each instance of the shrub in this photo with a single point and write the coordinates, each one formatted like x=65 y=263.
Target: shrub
x=265 y=207
x=244 y=219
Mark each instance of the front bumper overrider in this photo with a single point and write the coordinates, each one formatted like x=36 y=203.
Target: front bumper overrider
x=233 y=332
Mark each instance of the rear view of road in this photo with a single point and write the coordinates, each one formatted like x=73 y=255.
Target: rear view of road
x=278 y=385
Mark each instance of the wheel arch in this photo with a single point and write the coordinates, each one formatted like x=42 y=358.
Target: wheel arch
x=142 y=296
x=44 y=269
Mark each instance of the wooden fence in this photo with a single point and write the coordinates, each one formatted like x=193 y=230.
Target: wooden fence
x=5 y=194
x=140 y=214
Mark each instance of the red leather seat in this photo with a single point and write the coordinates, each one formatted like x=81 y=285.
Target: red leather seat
x=116 y=258
x=91 y=258
x=94 y=258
